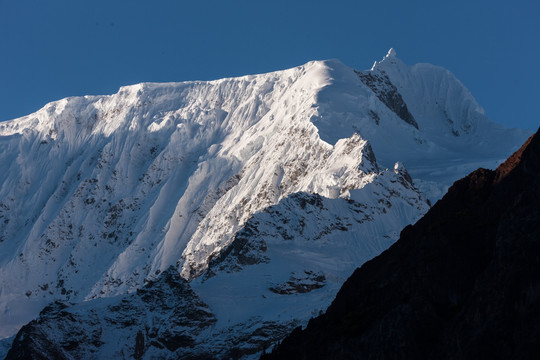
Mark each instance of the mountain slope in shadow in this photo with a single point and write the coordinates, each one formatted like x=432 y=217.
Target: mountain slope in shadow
x=462 y=283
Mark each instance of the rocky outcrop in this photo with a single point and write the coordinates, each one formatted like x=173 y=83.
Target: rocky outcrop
x=162 y=318
x=464 y=282
x=388 y=94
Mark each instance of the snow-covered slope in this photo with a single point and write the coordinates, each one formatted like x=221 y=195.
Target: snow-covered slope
x=420 y=115
x=283 y=267
x=101 y=194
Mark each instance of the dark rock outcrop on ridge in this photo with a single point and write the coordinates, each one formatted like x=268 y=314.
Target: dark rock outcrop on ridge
x=389 y=95
x=462 y=283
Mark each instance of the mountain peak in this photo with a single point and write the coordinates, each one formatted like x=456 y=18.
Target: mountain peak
x=389 y=58
x=515 y=159
x=391 y=53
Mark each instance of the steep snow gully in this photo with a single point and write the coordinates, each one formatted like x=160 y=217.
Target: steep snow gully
x=264 y=192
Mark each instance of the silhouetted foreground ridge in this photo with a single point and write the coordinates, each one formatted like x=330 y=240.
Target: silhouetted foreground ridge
x=462 y=283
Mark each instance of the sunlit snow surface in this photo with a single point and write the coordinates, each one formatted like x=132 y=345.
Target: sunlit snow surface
x=100 y=193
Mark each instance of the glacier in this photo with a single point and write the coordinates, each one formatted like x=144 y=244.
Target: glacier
x=264 y=192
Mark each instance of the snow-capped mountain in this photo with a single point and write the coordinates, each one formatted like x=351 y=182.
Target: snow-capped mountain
x=263 y=191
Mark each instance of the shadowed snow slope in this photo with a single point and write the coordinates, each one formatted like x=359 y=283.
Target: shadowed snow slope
x=101 y=194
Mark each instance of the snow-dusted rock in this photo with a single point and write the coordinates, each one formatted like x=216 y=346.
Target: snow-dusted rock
x=165 y=316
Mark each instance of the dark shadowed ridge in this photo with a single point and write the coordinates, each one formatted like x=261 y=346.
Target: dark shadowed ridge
x=462 y=283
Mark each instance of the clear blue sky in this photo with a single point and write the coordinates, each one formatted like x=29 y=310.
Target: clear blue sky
x=58 y=48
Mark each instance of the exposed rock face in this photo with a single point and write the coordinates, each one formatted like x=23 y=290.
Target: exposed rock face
x=165 y=316
x=388 y=94
x=463 y=282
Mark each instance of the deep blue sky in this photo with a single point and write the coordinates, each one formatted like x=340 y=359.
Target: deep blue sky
x=58 y=48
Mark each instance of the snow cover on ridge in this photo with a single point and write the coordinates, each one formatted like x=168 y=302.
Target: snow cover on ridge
x=103 y=193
